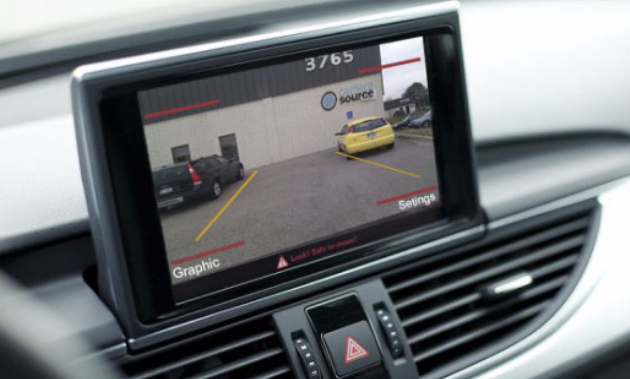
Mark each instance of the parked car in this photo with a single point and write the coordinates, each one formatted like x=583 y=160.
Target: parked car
x=424 y=121
x=404 y=123
x=201 y=177
x=365 y=134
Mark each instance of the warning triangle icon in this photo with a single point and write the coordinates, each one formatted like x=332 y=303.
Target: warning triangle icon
x=354 y=351
x=282 y=263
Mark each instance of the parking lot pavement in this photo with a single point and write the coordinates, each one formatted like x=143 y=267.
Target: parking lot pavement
x=300 y=200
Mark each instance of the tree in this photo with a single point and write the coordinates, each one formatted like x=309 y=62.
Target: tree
x=418 y=93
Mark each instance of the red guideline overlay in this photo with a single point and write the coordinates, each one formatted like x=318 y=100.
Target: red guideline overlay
x=209 y=252
x=405 y=195
x=181 y=109
x=389 y=65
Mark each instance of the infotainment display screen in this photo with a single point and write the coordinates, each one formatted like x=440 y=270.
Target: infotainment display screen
x=266 y=167
x=263 y=170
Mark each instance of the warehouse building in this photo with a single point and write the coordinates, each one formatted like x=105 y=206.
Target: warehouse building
x=399 y=107
x=263 y=115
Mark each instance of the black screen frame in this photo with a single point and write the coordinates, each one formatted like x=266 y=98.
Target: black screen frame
x=116 y=163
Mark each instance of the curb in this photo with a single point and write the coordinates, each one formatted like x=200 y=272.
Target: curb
x=413 y=136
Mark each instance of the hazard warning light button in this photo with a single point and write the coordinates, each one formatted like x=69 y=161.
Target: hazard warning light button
x=352 y=348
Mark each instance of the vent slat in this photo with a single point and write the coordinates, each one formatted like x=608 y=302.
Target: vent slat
x=239 y=364
x=485 y=312
x=208 y=354
x=247 y=349
x=558 y=265
x=460 y=302
x=277 y=372
x=563 y=246
x=548 y=286
x=495 y=253
x=478 y=333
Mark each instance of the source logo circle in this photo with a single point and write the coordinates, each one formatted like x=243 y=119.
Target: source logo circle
x=329 y=101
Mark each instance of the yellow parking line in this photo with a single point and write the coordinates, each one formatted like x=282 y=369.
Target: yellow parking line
x=378 y=165
x=226 y=205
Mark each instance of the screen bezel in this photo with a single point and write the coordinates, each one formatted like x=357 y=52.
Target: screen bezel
x=146 y=273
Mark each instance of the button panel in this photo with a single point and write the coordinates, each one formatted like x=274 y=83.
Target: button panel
x=392 y=336
x=318 y=317
x=305 y=352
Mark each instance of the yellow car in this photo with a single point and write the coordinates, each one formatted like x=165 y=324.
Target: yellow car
x=365 y=134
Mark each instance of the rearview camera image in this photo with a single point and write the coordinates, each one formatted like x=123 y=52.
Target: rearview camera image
x=273 y=167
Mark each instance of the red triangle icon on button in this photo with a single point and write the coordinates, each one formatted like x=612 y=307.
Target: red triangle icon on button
x=354 y=351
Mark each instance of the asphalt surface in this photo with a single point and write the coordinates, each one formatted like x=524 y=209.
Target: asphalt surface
x=300 y=200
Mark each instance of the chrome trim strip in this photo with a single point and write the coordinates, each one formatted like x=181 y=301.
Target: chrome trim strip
x=422 y=11
x=109 y=353
x=512 y=284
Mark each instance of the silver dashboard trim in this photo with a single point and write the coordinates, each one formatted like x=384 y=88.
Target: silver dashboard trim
x=421 y=11
x=510 y=285
x=112 y=352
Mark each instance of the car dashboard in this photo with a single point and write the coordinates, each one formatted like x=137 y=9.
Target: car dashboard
x=523 y=277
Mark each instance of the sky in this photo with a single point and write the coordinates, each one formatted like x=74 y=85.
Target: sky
x=397 y=79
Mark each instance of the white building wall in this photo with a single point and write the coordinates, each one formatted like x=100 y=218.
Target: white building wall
x=250 y=122
x=268 y=130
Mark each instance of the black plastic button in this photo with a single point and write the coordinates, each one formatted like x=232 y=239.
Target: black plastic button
x=352 y=348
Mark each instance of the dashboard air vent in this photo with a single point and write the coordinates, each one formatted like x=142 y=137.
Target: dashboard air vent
x=248 y=350
x=445 y=302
